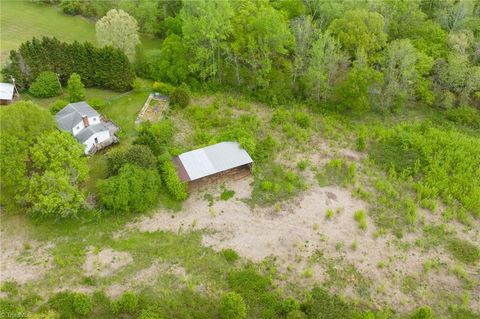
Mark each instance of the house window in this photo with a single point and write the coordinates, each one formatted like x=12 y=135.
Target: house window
x=96 y=140
x=78 y=127
x=94 y=119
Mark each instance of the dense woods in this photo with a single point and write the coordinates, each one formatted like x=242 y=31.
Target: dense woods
x=346 y=55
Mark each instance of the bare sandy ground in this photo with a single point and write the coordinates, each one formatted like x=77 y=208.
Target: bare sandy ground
x=22 y=259
x=300 y=228
x=105 y=262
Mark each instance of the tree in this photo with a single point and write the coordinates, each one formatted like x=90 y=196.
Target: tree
x=205 y=28
x=401 y=73
x=360 y=29
x=46 y=84
x=134 y=190
x=362 y=85
x=232 y=306
x=52 y=195
x=324 y=64
x=59 y=152
x=76 y=89
x=119 y=30
x=139 y=155
x=303 y=31
x=21 y=123
x=180 y=98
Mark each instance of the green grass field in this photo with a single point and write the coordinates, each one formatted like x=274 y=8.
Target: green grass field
x=21 y=21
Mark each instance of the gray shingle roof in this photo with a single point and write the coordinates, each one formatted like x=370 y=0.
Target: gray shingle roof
x=214 y=159
x=72 y=114
x=89 y=131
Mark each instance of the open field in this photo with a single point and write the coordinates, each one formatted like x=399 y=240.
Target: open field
x=310 y=238
x=20 y=21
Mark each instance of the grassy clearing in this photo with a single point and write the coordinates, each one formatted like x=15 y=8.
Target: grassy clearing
x=22 y=20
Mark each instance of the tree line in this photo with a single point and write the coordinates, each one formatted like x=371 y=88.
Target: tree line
x=346 y=55
x=104 y=67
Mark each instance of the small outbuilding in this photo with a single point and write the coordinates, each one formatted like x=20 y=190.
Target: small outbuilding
x=87 y=126
x=212 y=163
x=7 y=93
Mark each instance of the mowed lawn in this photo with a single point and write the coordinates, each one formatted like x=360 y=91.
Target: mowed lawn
x=22 y=20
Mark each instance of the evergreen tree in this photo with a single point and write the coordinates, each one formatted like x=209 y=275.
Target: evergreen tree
x=76 y=89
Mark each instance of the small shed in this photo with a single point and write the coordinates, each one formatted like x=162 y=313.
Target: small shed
x=209 y=164
x=7 y=93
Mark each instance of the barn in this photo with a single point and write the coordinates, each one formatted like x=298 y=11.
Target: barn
x=213 y=163
x=7 y=93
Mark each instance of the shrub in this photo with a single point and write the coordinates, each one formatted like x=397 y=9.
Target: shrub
x=56 y=106
x=162 y=88
x=464 y=115
x=361 y=219
x=232 y=306
x=179 y=98
x=134 y=189
x=127 y=303
x=75 y=87
x=139 y=155
x=330 y=213
x=423 y=313
x=69 y=304
x=230 y=255
x=82 y=304
x=176 y=188
x=46 y=84
x=157 y=136
x=97 y=103
x=137 y=85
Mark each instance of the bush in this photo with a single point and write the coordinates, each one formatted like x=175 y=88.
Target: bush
x=127 y=303
x=69 y=304
x=176 y=188
x=56 y=106
x=75 y=87
x=230 y=255
x=157 y=136
x=423 y=313
x=227 y=194
x=97 y=103
x=139 y=155
x=179 y=98
x=137 y=85
x=46 y=84
x=134 y=189
x=465 y=115
x=162 y=88
x=232 y=306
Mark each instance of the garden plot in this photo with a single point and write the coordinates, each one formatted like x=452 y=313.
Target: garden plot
x=154 y=108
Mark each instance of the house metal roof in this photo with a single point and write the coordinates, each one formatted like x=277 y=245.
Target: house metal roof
x=213 y=159
x=6 y=91
x=87 y=132
x=72 y=114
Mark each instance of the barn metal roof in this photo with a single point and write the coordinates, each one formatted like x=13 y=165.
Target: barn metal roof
x=6 y=91
x=214 y=159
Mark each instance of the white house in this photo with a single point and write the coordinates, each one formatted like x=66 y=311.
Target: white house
x=87 y=126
